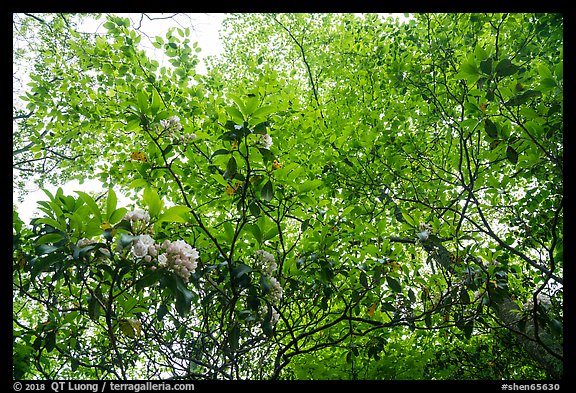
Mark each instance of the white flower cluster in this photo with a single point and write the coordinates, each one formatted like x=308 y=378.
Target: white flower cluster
x=144 y=247
x=425 y=231
x=265 y=262
x=139 y=220
x=265 y=141
x=264 y=310
x=180 y=258
x=186 y=138
x=478 y=294
x=276 y=291
x=171 y=125
x=172 y=128
x=137 y=215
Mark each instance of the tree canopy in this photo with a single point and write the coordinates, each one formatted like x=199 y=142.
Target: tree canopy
x=340 y=196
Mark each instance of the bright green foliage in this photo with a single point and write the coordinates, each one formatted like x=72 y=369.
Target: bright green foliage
x=385 y=198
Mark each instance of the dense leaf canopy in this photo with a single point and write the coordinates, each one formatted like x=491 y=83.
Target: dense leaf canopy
x=340 y=196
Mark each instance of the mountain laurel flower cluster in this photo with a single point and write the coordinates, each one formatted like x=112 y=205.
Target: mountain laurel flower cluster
x=273 y=318
x=171 y=125
x=265 y=141
x=266 y=263
x=425 y=231
x=137 y=215
x=184 y=139
x=145 y=247
x=276 y=291
x=139 y=221
x=179 y=257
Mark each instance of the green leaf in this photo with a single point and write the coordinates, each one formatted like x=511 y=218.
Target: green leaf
x=428 y=320
x=241 y=269
x=91 y=204
x=468 y=328
x=548 y=83
x=238 y=101
x=94 y=307
x=266 y=326
x=309 y=185
x=363 y=280
x=254 y=208
x=117 y=215
x=469 y=68
x=220 y=152
x=464 y=296
x=251 y=105
x=231 y=169
x=142 y=100
x=183 y=298
x=109 y=25
x=267 y=192
x=46 y=249
x=161 y=312
x=260 y=128
x=175 y=214
x=544 y=71
x=235 y=114
x=50 y=341
x=269 y=234
x=263 y=111
x=156 y=102
x=559 y=253
x=394 y=284
x=486 y=66
x=480 y=53
x=45 y=263
x=111 y=201
x=234 y=337
x=556 y=327
x=148 y=279
x=53 y=223
x=491 y=129
x=559 y=70
x=130 y=327
x=50 y=238
x=265 y=284
x=138 y=183
x=512 y=155
x=256 y=232
x=408 y=219
x=152 y=201
x=349 y=357
x=229 y=230
x=506 y=68
x=411 y=295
